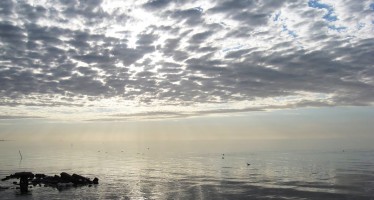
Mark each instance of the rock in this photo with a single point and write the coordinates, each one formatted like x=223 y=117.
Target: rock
x=24 y=174
x=49 y=180
x=36 y=181
x=40 y=176
x=24 y=183
x=66 y=178
x=24 y=180
x=78 y=179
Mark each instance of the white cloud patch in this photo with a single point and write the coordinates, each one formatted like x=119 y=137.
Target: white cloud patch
x=75 y=59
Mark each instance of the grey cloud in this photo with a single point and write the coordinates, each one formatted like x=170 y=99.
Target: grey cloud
x=232 y=5
x=84 y=85
x=168 y=114
x=15 y=117
x=191 y=16
x=180 y=55
x=63 y=70
x=146 y=39
x=181 y=114
x=252 y=19
x=170 y=45
x=33 y=13
x=12 y=35
x=93 y=58
x=237 y=54
x=156 y=4
x=242 y=32
x=250 y=12
x=128 y=56
x=47 y=35
x=87 y=71
x=91 y=12
x=168 y=67
x=200 y=37
x=45 y=103
x=41 y=60
x=145 y=114
x=6 y=8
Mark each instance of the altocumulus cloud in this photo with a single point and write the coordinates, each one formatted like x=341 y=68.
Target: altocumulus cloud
x=79 y=59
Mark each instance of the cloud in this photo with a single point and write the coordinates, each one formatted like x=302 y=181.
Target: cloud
x=178 y=54
x=156 y=4
x=15 y=117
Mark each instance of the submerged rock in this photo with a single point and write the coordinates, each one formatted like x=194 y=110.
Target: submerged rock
x=64 y=185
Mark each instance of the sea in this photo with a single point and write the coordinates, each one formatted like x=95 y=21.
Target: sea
x=130 y=170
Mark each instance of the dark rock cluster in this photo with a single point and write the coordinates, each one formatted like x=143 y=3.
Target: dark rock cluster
x=61 y=181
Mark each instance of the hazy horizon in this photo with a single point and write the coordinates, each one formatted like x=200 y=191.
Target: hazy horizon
x=336 y=128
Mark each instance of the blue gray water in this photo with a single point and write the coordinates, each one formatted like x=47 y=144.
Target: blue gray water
x=136 y=172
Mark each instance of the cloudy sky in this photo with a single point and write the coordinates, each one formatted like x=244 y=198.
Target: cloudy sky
x=113 y=60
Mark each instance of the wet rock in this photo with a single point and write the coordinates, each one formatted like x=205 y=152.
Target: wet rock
x=40 y=176
x=24 y=174
x=66 y=178
x=24 y=183
x=24 y=180
x=78 y=179
x=63 y=181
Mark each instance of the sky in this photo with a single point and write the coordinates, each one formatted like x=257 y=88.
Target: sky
x=158 y=64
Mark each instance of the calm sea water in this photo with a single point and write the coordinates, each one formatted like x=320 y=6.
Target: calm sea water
x=156 y=172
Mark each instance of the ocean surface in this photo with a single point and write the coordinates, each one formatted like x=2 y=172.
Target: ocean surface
x=134 y=171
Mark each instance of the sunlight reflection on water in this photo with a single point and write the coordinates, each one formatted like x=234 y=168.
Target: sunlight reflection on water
x=139 y=173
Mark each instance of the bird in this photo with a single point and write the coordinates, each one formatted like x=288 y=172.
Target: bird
x=248 y=164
